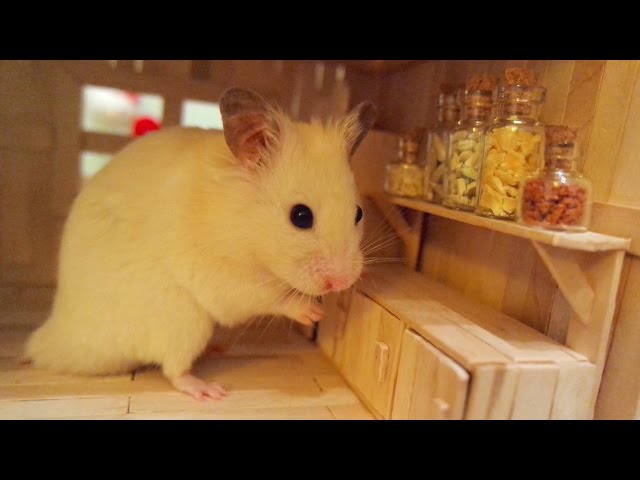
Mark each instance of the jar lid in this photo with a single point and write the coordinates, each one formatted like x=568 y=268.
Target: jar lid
x=481 y=83
x=520 y=76
x=448 y=95
x=560 y=135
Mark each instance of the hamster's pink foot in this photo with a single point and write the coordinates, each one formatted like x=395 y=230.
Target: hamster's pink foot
x=199 y=389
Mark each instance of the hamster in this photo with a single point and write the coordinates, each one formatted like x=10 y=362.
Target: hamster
x=186 y=228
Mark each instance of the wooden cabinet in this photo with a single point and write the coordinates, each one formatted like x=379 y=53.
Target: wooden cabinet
x=430 y=385
x=412 y=348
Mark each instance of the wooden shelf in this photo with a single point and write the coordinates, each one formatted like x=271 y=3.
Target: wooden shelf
x=586 y=242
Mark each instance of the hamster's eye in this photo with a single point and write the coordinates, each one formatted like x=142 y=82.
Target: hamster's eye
x=358 y=215
x=302 y=216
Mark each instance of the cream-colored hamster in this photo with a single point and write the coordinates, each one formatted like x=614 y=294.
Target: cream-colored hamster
x=186 y=227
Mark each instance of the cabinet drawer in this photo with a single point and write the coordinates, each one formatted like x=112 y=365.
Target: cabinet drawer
x=367 y=351
x=430 y=385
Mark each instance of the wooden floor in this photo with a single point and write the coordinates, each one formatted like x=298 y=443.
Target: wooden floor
x=272 y=373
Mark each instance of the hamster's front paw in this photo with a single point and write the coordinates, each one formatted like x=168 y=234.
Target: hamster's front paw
x=199 y=389
x=306 y=313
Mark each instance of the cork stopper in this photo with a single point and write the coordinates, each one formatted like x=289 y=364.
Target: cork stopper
x=520 y=76
x=481 y=83
x=560 y=135
x=412 y=140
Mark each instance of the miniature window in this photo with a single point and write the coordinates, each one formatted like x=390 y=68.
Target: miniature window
x=116 y=112
x=196 y=113
x=92 y=162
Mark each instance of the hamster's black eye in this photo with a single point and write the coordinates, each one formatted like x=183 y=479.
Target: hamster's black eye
x=358 y=215
x=302 y=216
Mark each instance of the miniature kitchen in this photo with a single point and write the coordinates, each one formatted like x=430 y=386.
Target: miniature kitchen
x=501 y=277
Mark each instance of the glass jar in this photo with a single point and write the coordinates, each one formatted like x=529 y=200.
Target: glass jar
x=513 y=149
x=467 y=145
x=404 y=177
x=437 y=145
x=559 y=197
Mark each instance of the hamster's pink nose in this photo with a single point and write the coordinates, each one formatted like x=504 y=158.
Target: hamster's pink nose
x=336 y=284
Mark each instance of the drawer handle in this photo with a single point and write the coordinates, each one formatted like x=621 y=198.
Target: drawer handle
x=382 y=360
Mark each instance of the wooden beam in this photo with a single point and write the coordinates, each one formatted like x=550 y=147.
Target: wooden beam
x=567 y=272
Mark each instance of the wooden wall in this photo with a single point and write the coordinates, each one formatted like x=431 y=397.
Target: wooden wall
x=601 y=99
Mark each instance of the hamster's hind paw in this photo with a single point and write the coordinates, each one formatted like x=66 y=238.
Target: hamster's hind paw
x=199 y=389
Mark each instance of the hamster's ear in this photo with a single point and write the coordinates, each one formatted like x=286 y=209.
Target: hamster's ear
x=247 y=129
x=358 y=123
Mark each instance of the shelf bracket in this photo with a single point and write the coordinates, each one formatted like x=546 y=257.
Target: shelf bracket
x=409 y=232
x=566 y=271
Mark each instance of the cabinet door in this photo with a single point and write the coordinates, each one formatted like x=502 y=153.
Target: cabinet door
x=430 y=385
x=367 y=351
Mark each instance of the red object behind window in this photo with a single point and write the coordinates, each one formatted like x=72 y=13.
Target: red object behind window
x=144 y=125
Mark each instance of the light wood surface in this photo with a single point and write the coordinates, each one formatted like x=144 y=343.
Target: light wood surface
x=587 y=241
x=430 y=386
x=272 y=375
x=368 y=330
x=515 y=371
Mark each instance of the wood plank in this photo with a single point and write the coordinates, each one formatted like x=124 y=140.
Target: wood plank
x=573 y=399
x=426 y=305
x=624 y=185
x=611 y=109
x=430 y=385
x=103 y=75
x=350 y=412
x=98 y=142
x=404 y=389
x=619 y=396
x=33 y=137
x=603 y=273
x=62 y=408
x=534 y=392
x=242 y=399
x=388 y=332
x=492 y=392
x=568 y=274
x=586 y=241
x=619 y=221
x=293 y=413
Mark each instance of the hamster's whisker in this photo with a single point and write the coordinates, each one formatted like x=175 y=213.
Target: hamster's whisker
x=373 y=243
x=369 y=261
x=269 y=323
x=379 y=246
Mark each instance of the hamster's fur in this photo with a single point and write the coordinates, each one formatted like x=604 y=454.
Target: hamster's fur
x=185 y=228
